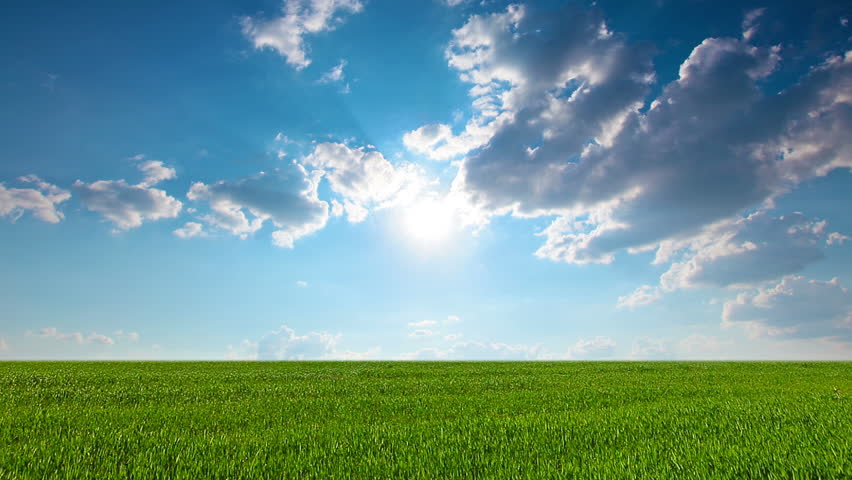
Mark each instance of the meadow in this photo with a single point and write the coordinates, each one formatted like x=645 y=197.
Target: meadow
x=424 y=420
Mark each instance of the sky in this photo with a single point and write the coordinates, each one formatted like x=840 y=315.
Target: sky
x=426 y=180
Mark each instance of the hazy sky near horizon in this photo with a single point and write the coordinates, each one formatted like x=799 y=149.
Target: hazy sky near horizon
x=436 y=179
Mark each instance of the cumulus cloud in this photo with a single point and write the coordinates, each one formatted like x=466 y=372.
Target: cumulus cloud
x=598 y=347
x=796 y=307
x=286 y=197
x=189 y=230
x=562 y=129
x=285 y=344
x=155 y=172
x=41 y=201
x=748 y=250
x=75 y=337
x=363 y=177
x=286 y=34
x=301 y=283
x=128 y=206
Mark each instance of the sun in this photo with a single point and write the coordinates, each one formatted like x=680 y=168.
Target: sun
x=428 y=222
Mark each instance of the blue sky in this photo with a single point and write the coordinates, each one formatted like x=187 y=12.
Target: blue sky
x=368 y=179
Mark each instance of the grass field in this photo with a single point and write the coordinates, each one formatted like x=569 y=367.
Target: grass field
x=425 y=420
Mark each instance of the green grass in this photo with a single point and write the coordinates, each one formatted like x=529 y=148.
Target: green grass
x=425 y=420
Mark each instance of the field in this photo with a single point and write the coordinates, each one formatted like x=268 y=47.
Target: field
x=425 y=420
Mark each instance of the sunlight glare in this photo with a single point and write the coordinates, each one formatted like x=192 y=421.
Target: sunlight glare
x=428 y=222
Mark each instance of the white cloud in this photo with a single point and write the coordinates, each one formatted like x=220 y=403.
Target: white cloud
x=363 y=177
x=40 y=201
x=128 y=206
x=3 y=345
x=421 y=333
x=129 y=336
x=453 y=337
x=301 y=283
x=286 y=197
x=698 y=345
x=286 y=34
x=452 y=319
x=836 y=238
x=155 y=172
x=285 y=344
x=422 y=323
x=558 y=104
x=646 y=348
x=795 y=307
x=335 y=74
x=597 y=347
x=75 y=337
x=98 y=338
x=480 y=351
x=644 y=295
x=189 y=230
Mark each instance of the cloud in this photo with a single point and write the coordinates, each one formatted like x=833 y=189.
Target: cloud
x=422 y=323
x=363 y=178
x=750 y=23
x=75 y=337
x=3 y=345
x=286 y=34
x=644 y=295
x=702 y=345
x=336 y=75
x=101 y=339
x=836 y=238
x=301 y=283
x=421 y=333
x=479 y=351
x=562 y=129
x=597 y=347
x=286 y=197
x=129 y=336
x=752 y=249
x=40 y=201
x=795 y=307
x=189 y=230
x=155 y=172
x=452 y=319
x=646 y=348
x=285 y=344
x=128 y=206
